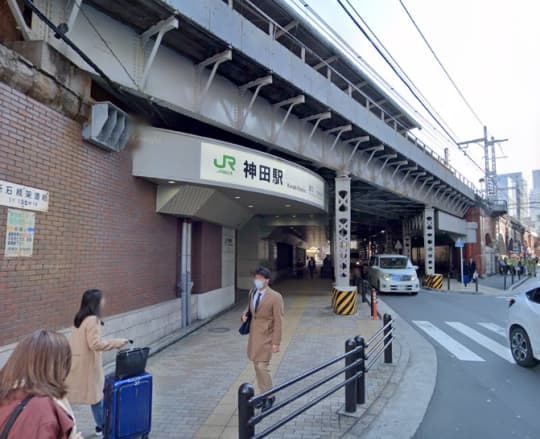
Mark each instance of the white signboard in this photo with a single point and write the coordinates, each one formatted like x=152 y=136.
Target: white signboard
x=23 y=197
x=19 y=233
x=238 y=167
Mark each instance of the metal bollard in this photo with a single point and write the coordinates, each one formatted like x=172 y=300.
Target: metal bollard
x=512 y=274
x=476 y=285
x=361 y=370
x=374 y=304
x=505 y=281
x=350 y=388
x=246 y=411
x=448 y=281
x=387 y=318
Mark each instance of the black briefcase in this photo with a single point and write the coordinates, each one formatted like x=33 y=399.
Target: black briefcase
x=244 y=328
x=131 y=362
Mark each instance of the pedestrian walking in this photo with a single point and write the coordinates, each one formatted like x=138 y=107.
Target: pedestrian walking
x=311 y=266
x=86 y=378
x=266 y=307
x=32 y=384
x=472 y=268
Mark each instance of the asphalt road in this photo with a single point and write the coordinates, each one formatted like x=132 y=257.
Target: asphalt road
x=479 y=392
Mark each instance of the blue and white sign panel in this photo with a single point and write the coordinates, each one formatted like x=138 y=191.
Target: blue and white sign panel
x=459 y=244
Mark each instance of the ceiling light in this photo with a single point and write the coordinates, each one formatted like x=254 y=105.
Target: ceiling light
x=287 y=205
x=294 y=216
x=171 y=182
x=277 y=216
x=237 y=197
x=251 y=206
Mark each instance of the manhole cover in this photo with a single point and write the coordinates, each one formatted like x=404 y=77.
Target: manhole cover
x=218 y=330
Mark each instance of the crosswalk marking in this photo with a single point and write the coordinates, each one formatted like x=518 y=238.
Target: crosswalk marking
x=494 y=328
x=488 y=343
x=454 y=347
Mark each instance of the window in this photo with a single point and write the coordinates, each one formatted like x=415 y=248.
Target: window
x=394 y=262
x=534 y=295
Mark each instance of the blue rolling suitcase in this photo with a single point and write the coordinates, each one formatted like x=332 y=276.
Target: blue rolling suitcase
x=128 y=407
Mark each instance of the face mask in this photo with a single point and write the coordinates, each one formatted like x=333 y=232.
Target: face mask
x=259 y=284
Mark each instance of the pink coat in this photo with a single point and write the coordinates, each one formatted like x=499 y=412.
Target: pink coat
x=86 y=379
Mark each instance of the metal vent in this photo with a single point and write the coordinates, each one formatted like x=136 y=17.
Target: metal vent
x=109 y=127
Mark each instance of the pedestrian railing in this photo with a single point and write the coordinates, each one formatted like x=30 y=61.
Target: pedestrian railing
x=359 y=358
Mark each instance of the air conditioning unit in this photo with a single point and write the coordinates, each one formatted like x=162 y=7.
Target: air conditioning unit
x=109 y=127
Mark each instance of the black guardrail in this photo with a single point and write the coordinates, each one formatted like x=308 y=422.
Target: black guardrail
x=359 y=358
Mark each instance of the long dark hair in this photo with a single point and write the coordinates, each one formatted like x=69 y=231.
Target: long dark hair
x=90 y=306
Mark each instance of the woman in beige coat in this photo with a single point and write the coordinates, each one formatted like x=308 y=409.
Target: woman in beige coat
x=86 y=379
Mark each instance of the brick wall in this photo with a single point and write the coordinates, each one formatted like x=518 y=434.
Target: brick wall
x=206 y=257
x=101 y=229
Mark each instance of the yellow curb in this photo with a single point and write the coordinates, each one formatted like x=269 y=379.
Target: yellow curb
x=227 y=407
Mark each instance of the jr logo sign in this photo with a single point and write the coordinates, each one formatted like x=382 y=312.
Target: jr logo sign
x=227 y=164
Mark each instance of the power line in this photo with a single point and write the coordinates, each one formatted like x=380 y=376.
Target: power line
x=107 y=45
x=469 y=106
x=399 y=75
x=311 y=14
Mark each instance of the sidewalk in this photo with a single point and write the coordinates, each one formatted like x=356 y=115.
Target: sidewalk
x=196 y=380
x=492 y=285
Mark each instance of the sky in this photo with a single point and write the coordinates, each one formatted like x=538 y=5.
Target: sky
x=491 y=49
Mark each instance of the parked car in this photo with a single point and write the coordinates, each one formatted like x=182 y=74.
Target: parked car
x=393 y=274
x=524 y=325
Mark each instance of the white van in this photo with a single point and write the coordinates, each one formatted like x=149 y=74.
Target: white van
x=393 y=274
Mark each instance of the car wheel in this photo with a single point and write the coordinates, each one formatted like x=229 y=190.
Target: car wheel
x=414 y=293
x=520 y=346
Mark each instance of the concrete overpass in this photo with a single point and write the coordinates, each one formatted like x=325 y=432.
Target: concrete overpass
x=262 y=74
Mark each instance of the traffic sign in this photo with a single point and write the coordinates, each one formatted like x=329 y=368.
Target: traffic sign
x=398 y=245
x=459 y=244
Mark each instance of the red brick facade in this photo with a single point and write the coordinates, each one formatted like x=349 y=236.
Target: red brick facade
x=206 y=257
x=101 y=229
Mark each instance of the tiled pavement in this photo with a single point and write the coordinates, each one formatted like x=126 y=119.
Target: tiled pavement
x=196 y=379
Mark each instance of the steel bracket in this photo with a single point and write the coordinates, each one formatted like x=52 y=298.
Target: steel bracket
x=258 y=84
x=290 y=103
x=317 y=118
x=373 y=150
x=398 y=165
x=339 y=130
x=27 y=33
x=214 y=61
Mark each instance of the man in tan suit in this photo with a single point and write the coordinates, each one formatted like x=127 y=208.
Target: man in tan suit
x=266 y=306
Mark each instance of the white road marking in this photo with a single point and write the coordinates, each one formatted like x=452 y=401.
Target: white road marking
x=494 y=328
x=454 y=347
x=482 y=340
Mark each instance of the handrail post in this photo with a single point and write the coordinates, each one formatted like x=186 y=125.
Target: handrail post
x=350 y=388
x=361 y=370
x=387 y=319
x=246 y=411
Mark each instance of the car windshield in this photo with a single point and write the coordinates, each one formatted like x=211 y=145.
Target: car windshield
x=393 y=263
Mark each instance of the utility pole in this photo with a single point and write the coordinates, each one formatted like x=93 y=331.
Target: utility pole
x=490 y=162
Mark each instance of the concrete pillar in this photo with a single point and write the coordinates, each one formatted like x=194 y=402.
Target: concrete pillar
x=429 y=239
x=185 y=269
x=342 y=252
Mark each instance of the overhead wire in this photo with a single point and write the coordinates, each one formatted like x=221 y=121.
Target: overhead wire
x=428 y=130
x=396 y=69
x=444 y=69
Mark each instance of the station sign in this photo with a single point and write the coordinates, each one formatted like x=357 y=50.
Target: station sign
x=239 y=167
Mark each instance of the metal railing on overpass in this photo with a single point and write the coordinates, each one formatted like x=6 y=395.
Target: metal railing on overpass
x=366 y=101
